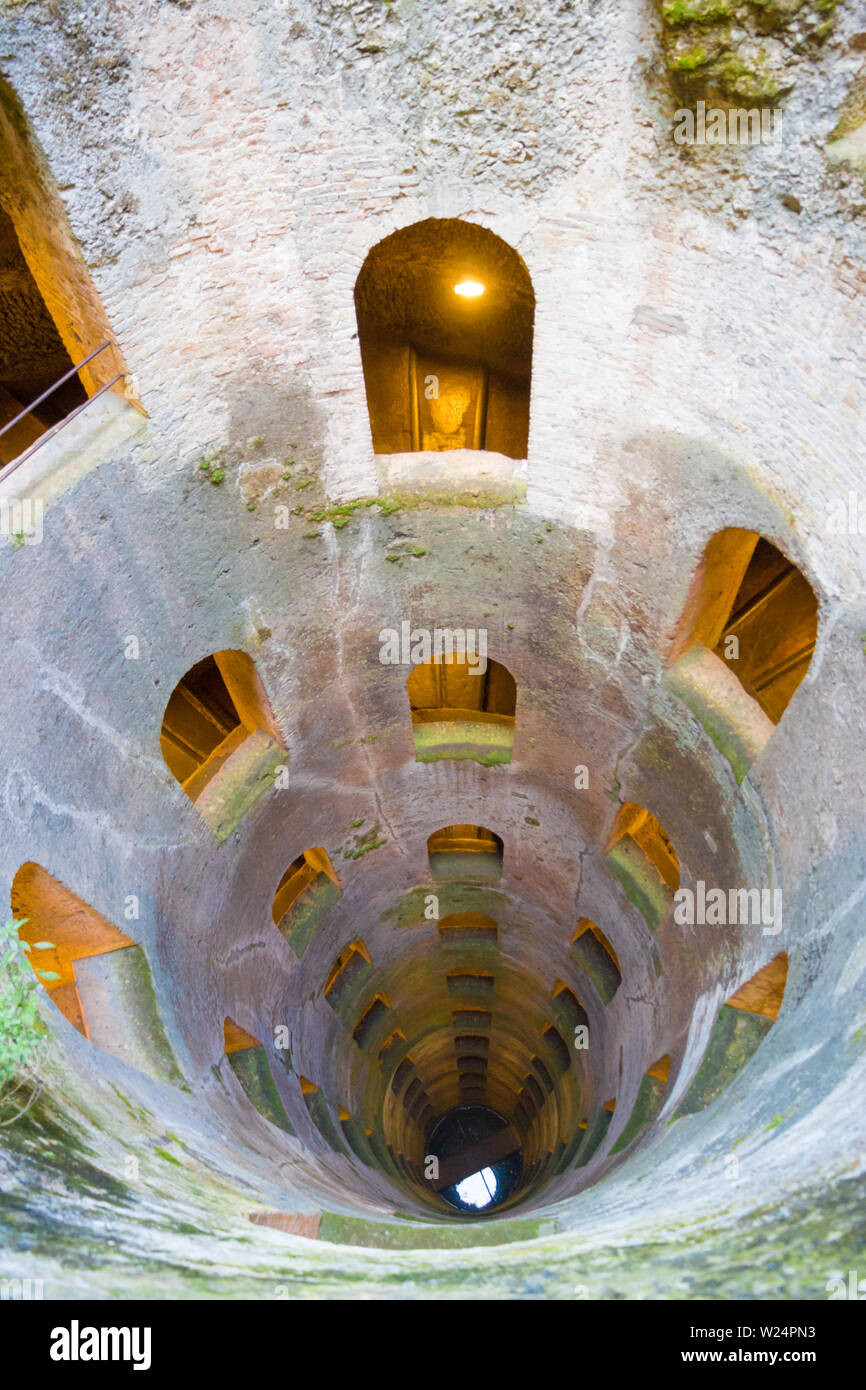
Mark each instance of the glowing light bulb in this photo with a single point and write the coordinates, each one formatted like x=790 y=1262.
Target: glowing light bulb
x=469 y=289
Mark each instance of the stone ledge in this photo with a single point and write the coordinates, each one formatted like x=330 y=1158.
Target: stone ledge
x=463 y=741
x=730 y=717
x=242 y=779
x=92 y=439
x=119 y=1002
x=470 y=477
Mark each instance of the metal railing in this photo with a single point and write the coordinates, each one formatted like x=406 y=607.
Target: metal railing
x=49 y=433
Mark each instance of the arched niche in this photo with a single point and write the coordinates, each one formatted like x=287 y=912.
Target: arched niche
x=461 y=712
x=744 y=642
x=98 y=977
x=445 y=315
x=465 y=853
x=220 y=740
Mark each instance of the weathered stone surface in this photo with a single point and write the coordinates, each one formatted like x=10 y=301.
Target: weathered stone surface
x=734 y=721
x=119 y=1004
x=488 y=744
x=726 y=50
x=252 y=1070
x=645 y=1109
x=641 y=882
x=308 y=912
x=698 y=364
x=735 y=1036
x=247 y=773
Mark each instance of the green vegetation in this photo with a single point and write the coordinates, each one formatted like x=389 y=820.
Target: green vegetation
x=777 y=1120
x=21 y=1029
x=169 y=1158
x=341 y=514
x=741 y=49
x=365 y=843
x=693 y=59
x=406 y=550
x=695 y=11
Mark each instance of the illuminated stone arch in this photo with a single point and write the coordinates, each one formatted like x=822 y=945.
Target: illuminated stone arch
x=744 y=642
x=445 y=316
x=220 y=740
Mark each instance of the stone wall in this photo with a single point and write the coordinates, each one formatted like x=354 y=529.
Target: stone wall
x=696 y=365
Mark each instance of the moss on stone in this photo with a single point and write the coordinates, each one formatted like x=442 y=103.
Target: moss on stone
x=245 y=776
x=464 y=741
x=649 y=1102
x=593 y=1136
x=168 y=1158
x=364 y=844
x=677 y=12
x=597 y=965
x=320 y=1114
x=414 y=499
x=354 y=1231
x=748 y=50
x=736 y=1035
x=643 y=887
x=852 y=114
x=409 y=911
x=253 y=1071
x=687 y=62
x=308 y=912
x=734 y=721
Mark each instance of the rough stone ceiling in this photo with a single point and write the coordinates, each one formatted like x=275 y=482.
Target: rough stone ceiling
x=405 y=292
x=32 y=356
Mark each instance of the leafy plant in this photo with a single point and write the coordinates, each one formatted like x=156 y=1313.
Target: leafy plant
x=21 y=1029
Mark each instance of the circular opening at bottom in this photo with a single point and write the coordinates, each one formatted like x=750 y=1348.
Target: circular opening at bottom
x=474 y=1146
